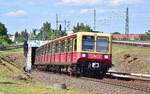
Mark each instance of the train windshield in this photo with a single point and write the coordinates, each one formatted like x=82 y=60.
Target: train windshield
x=88 y=43
x=102 y=44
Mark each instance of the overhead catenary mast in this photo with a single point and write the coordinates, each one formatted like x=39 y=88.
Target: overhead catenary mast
x=94 y=20
x=56 y=21
x=65 y=22
x=127 y=22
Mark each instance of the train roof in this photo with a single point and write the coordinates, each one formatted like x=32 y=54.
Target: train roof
x=74 y=34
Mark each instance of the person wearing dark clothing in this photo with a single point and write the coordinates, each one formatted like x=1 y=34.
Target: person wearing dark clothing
x=25 y=46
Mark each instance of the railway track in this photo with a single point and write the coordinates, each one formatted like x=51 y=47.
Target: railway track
x=137 y=83
x=10 y=47
x=132 y=84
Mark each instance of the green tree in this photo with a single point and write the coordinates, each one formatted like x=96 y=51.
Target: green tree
x=116 y=33
x=4 y=40
x=17 y=36
x=3 y=30
x=148 y=35
x=45 y=31
x=22 y=36
x=145 y=36
x=82 y=28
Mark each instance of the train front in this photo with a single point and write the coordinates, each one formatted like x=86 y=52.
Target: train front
x=95 y=52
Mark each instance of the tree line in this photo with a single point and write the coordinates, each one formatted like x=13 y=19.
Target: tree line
x=47 y=33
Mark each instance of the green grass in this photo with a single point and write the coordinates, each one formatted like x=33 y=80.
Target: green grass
x=132 y=49
x=141 y=65
x=5 y=52
x=8 y=73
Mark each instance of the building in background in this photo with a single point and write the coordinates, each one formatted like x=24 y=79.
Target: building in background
x=130 y=36
x=11 y=37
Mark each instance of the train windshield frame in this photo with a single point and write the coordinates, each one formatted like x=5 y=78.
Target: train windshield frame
x=102 y=44
x=88 y=43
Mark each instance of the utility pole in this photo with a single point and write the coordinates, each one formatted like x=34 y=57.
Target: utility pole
x=65 y=22
x=94 y=20
x=67 y=25
x=57 y=22
x=127 y=23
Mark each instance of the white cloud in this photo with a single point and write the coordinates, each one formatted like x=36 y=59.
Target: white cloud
x=78 y=2
x=90 y=10
x=86 y=10
x=116 y=2
x=18 y=13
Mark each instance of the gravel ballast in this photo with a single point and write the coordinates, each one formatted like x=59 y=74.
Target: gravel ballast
x=89 y=86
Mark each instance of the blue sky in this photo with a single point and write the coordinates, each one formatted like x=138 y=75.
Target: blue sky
x=20 y=14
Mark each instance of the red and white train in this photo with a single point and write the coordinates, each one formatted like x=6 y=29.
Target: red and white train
x=85 y=53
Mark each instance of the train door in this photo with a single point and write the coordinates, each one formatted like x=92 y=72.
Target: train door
x=74 y=57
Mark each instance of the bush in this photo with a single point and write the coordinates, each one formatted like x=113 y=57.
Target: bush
x=4 y=41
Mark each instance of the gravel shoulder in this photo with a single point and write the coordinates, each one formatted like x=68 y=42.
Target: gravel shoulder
x=88 y=86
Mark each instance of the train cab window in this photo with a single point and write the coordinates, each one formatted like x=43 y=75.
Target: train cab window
x=88 y=43
x=102 y=44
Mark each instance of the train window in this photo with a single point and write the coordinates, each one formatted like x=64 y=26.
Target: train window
x=102 y=43
x=50 y=48
x=57 y=48
x=75 y=45
x=53 y=49
x=41 y=51
x=65 y=50
x=62 y=46
x=69 y=45
x=38 y=52
x=88 y=43
x=45 y=49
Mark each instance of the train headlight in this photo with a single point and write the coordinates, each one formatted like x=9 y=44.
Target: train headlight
x=95 y=65
x=84 y=55
x=106 y=56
